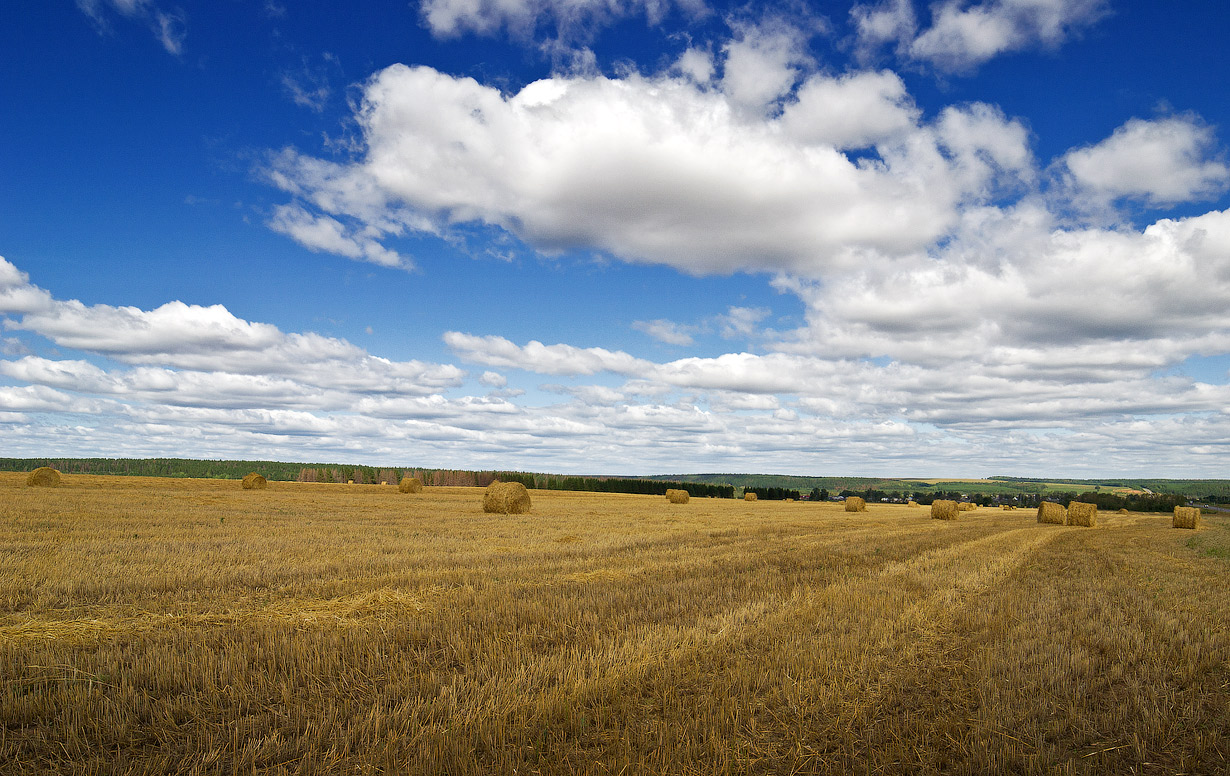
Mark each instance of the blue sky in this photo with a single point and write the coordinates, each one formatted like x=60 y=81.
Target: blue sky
x=624 y=237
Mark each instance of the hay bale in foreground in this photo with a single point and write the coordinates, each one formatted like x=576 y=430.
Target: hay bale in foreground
x=1082 y=514
x=855 y=504
x=676 y=496
x=1050 y=512
x=410 y=485
x=506 y=498
x=1186 y=517
x=254 y=481
x=944 y=509
x=43 y=477
x=749 y=496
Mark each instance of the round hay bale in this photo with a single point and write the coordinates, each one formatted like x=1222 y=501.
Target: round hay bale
x=966 y=506
x=254 y=481
x=677 y=496
x=1122 y=511
x=1082 y=514
x=410 y=485
x=750 y=496
x=856 y=504
x=912 y=503
x=43 y=477
x=1050 y=512
x=944 y=509
x=506 y=498
x=1186 y=517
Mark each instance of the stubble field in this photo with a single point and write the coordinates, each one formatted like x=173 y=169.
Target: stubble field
x=188 y=626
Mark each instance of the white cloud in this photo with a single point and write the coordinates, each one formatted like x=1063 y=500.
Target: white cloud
x=570 y=19
x=1012 y=289
x=964 y=35
x=1161 y=162
x=651 y=170
x=853 y=111
x=205 y=339
x=763 y=62
x=493 y=379
x=540 y=358
x=741 y=321
x=697 y=64
x=666 y=331
x=324 y=233
x=886 y=22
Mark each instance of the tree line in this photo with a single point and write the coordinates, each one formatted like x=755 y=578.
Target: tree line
x=360 y=475
x=774 y=494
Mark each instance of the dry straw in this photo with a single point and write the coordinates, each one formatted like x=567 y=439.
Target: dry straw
x=1186 y=517
x=254 y=481
x=912 y=504
x=943 y=509
x=676 y=496
x=508 y=498
x=1050 y=512
x=855 y=504
x=749 y=497
x=43 y=477
x=1122 y=511
x=410 y=485
x=1082 y=514
x=966 y=506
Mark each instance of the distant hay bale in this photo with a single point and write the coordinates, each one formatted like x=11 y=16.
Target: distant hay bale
x=749 y=496
x=789 y=501
x=254 y=481
x=410 y=485
x=506 y=498
x=676 y=496
x=944 y=509
x=1122 y=511
x=1186 y=517
x=1050 y=512
x=43 y=477
x=966 y=506
x=855 y=504
x=1082 y=514
x=912 y=504
x=1006 y=507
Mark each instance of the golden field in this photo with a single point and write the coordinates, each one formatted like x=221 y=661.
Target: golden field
x=190 y=626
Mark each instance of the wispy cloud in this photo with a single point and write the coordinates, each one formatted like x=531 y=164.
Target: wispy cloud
x=169 y=27
x=964 y=35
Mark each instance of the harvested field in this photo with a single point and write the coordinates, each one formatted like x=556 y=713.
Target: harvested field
x=151 y=626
